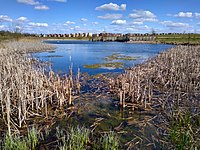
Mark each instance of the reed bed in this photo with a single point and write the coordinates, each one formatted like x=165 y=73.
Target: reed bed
x=26 y=90
x=173 y=74
x=169 y=82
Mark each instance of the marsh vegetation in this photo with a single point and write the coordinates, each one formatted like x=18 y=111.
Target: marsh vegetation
x=164 y=90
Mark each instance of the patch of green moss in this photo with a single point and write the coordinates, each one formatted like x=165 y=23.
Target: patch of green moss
x=109 y=65
x=92 y=66
x=117 y=56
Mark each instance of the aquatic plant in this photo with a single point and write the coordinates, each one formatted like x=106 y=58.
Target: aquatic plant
x=167 y=82
x=105 y=65
x=183 y=129
x=32 y=138
x=109 y=141
x=117 y=56
x=26 y=90
x=21 y=143
x=76 y=138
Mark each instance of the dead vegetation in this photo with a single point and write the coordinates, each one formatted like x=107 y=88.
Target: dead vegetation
x=26 y=90
x=169 y=83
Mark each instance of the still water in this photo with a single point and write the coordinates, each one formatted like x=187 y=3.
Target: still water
x=103 y=109
x=80 y=53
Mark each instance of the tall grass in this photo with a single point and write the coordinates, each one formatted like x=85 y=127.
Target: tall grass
x=109 y=141
x=23 y=143
x=184 y=128
x=76 y=138
x=81 y=138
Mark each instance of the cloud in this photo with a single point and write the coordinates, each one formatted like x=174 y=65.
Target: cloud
x=69 y=23
x=5 y=18
x=41 y=7
x=29 y=2
x=38 y=24
x=22 y=19
x=2 y=27
x=111 y=16
x=197 y=15
x=145 y=20
x=118 y=22
x=84 y=19
x=171 y=24
x=95 y=23
x=143 y=16
x=62 y=1
x=143 y=29
x=137 y=23
x=184 y=15
x=111 y=6
x=198 y=24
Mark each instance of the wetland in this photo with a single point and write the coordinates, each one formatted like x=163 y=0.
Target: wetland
x=67 y=89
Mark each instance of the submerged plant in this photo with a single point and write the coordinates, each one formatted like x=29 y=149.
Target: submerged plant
x=76 y=138
x=15 y=143
x=109 y=141
x=32 y=138
x=21 y=143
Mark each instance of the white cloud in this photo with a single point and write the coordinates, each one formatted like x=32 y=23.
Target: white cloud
x=62 y=1
x=29 y=2
x=22 y=19
x=137 y=23
x=197 y=15
x=118 y=22
x=140 y=29
x=69 y=23
x=38 y=24
x=95 y=23
x=41 y=7
x=198 y=24
x=111 y=16
x=145 y=20
x=171 y=24
x=111 y=6
x=77 y=27
x=2 y=27
x=142 y=14
x=84 y=19
x=184 y=15
x=5 y=18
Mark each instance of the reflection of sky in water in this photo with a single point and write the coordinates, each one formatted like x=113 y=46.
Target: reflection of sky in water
x=81 y=53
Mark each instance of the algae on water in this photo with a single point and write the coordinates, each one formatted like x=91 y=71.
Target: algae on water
x=105 y=65
x=117 y=56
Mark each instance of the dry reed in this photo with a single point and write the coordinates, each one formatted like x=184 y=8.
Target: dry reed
x=173 y=76
x=25 y=88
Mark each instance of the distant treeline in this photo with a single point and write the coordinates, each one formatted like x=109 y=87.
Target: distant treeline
x=7 y=35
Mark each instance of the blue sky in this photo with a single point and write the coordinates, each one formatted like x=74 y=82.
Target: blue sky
x=95 y=16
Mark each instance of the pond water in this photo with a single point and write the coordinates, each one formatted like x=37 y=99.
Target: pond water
x=101 y=112
x=80 y=53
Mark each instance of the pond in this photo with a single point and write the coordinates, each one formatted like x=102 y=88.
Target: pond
x=95 y=107
x=97 y=57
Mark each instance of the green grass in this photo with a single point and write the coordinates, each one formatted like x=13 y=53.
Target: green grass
x=109 y=141
x=183 y=130
x=81 y=138
x=179 y=38
x=24 y=143
x=76 y=139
